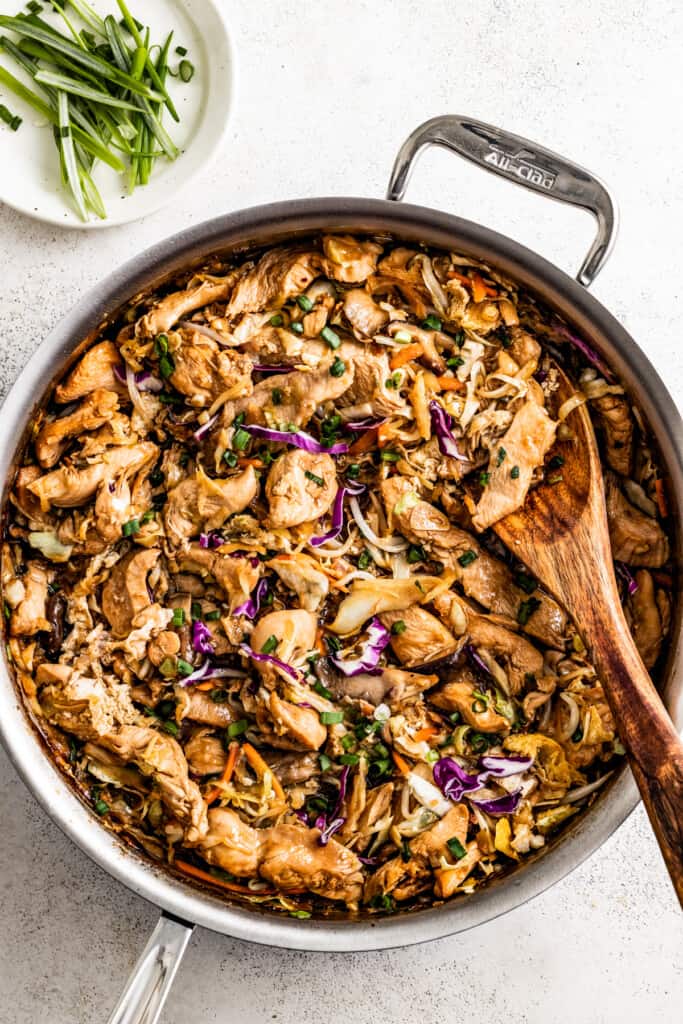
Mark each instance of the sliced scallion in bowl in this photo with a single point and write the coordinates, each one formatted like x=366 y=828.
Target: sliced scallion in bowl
x=100 y=84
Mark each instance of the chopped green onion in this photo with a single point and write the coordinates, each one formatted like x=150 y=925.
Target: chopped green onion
x=348 y=758
x=178 y=617
x=315 y=478
x=416 y=553
x=324 y=762
x=353 y=471
x=556 y=462
x=11 y=120
x=403 y=337
x=170 y=727
x=230 y=458
x=332 y=339
x=514 y=473
x=270 y=645
x=297 y=327
x=577 y=736
x=101 y=807
x=213 y=616
x=302 y=914
x=237 y=728
x=333 y=643
x=557 y=478
x=467 y=557
x=432 y=323
x=456 y=848
x=348 y=741
x=484 y=478
x=241 y=439
x=479 y=706
x=338 y=368
x=364 y=559
x=527 y=609
x=184 y=667
x=218 y=696
x=331 y=717
x=527 y=583
x=479 y=742
x=303 y=302
x=186 y=70
x=196 y=610
x=322 y=690
x=168 y=667
x=166 y=367
x=398 y=627
x=454 y=362
x=500 y=458
x=386 y=455
x=277 y=320
x=130 y=528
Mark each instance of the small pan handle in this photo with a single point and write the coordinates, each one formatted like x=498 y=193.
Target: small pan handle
x=522 y=162
x=145 y=993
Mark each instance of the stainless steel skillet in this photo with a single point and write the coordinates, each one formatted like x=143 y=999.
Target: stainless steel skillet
x=517 y=160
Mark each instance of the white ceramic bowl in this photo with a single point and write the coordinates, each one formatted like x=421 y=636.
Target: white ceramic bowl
x=30 y=180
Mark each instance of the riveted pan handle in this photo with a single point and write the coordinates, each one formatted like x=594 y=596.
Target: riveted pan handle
x=150 y=982
x=522 y=162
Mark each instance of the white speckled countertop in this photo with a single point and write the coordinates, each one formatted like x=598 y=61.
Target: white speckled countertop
x=327 y=92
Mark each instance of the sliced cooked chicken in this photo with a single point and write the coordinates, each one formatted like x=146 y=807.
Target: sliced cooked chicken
x=125 y=593
x=459 y=694
x=94 y=371
x=236 y=576
x=30 y=615
x=69 y=487
x=518 y=656
x=348 y=260
x=297 y=396
x=523 y=447
x=482 y=577
x=172 y=308
x=647 y=628
x=421 y=638
x=97 y=408
x=204 y=503
x=203 y=371
x=617 y=424
x=636 y=538
x=280 y=274
x=364 y=314
x=300 y=488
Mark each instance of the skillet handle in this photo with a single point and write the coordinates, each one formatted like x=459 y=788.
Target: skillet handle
x=145 y=993
x=522 y=162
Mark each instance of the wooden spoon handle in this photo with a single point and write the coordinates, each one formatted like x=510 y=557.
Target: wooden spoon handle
x=646 y=730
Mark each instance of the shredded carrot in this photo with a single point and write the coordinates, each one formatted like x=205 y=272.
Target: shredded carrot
x=462 y=278
x=425 y=734
x=661 y=499
x=400 y=763
x=384 y=433
x=480 y=289
x=226 y=774
x=204 y=876
x=260 y=767
x=364 y=443
x=257 y=463
x=449 y=384
x=406 y=355
x=204 y=687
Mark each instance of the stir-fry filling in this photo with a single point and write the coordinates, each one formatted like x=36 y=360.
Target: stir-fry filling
x=254 y=595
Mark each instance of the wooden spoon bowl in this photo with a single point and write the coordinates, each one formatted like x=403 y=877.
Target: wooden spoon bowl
x=561 y=535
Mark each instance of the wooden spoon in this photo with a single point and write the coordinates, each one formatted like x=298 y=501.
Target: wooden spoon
x=561 y=535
